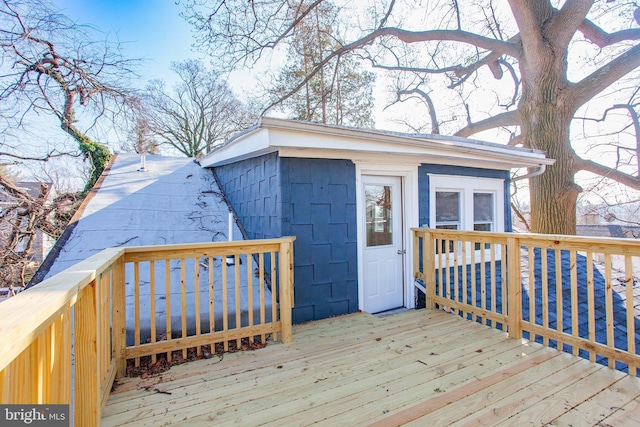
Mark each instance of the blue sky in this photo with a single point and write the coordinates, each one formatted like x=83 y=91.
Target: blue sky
x=148 y=29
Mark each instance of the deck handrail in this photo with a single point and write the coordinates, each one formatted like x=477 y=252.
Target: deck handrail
x=74 y=324
x=573 y=293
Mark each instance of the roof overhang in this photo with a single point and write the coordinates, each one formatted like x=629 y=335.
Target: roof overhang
x=310 y=140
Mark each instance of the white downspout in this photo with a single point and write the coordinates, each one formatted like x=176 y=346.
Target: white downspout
x=530 y=175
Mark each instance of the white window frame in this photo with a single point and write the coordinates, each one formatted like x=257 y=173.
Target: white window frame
x=467 y=187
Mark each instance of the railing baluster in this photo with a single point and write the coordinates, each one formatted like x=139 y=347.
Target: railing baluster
x=533 y=304
x=446 y=282
x=456 y=276
x=474 y=282
x=167 y=308
x=574 y=300
x=483 y=281
x=183 y=301
x=274 y=304
x=62 y=383
x=493 y=278
x=152 y=306
x=225 y=303
x=236 y=278
x=631 y=324
x=514 y=289
x=212 y=300
x=591 y=303
x=559 y=296
x=250 y=292
x=196 y=284
x=503 y=287
x=465 y=269
x=136 y=307
x=262 y=300
x=119 y=327
x=609 y=304
x=545 y=292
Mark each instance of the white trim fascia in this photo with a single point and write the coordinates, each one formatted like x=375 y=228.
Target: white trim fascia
x=410 y=192
x=395 y=158
x=303 y=139
x=434 y=141
x=252 y=143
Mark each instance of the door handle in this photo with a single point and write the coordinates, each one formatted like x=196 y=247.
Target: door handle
x=401 y=252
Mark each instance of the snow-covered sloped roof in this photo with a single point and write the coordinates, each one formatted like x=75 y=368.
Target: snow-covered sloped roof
x=173 y=201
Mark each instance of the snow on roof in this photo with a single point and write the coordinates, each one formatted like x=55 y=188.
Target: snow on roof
x=173 y=201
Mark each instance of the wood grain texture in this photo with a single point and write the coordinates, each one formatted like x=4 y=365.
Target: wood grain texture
x=419 y=367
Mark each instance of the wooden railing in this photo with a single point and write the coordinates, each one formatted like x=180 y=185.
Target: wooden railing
x=85 y=322
x=577 y=294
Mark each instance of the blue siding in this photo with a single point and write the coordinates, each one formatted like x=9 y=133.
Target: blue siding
x=314 y=200
x=253 y=189
x=319 y=208
x=423 y=184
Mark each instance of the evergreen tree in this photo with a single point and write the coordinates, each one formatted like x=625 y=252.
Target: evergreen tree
x=341 y=93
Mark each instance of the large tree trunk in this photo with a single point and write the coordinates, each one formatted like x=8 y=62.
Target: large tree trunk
x=546 y=110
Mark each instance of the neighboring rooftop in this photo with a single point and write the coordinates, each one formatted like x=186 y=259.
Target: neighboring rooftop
x=609 y=230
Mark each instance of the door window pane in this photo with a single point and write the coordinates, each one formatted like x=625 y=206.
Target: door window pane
x=378 y=215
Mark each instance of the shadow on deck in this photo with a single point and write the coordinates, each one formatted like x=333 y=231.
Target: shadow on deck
x=424 y=367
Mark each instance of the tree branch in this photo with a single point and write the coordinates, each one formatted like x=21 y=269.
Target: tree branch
x=566 y=21
x=509 y=118
x=607 y=172
x=406 y=37
x=605 y=76
x=435 y=128
x=601 y=38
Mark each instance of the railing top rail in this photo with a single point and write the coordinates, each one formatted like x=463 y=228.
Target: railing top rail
x=206 y=245
x=546 y=239
x=27 y=314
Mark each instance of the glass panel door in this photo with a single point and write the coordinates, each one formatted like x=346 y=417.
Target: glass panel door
x=379 y=216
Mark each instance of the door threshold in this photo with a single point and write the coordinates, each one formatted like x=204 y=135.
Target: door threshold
x=390 y=312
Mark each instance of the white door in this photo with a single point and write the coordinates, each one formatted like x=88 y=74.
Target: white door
x=383 y=243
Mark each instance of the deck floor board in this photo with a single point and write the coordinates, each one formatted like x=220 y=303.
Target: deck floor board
x=414 y=367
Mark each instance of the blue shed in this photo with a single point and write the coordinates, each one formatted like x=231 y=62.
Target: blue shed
x=351 y=197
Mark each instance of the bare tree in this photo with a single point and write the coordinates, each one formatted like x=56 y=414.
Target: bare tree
x=141 y=140
x=25 y=218
x=199 y=112
x=52 y=66
x=527 y=45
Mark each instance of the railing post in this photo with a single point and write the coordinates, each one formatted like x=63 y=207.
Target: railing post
x=86 y=381
x=286 y=289
x=118 y=331
x=514 y=288
x=429 y=265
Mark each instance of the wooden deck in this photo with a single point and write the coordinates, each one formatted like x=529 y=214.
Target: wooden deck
x=418 y=367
